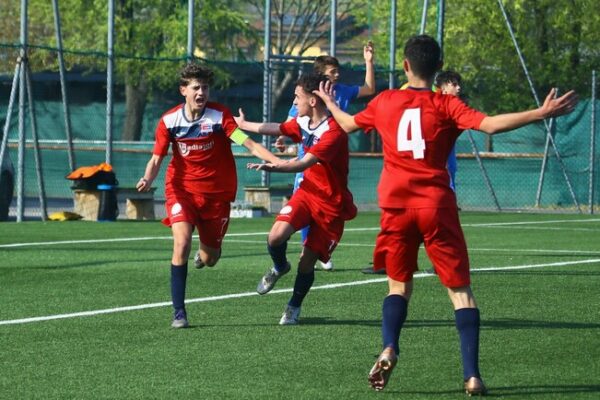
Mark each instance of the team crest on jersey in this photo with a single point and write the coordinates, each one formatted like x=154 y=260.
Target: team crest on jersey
x=206 y=129
x=285 y=210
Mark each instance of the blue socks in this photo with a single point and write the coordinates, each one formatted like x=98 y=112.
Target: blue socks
x=467 y=323
x=395 y=308
x=178 y=279
x=302 y=285
x=278 y=255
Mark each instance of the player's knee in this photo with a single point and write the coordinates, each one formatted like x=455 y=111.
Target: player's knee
x=462 y=297
x=182 y=248
x=280 y=233
x=276 y=238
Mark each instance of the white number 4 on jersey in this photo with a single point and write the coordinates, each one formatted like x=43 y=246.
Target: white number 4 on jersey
x=411 y=118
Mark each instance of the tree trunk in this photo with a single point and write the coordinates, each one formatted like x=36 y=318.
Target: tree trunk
x=135 y=104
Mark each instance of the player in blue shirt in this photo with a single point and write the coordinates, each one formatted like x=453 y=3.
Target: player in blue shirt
x=449 y=82
x=344 y=94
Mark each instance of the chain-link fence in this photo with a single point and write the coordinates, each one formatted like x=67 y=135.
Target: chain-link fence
x=517 y=170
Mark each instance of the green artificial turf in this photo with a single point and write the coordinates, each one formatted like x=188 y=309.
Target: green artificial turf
x=536 y=279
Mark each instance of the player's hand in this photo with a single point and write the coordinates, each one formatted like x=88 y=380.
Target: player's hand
x=326 y=92
x=369 y=52
x=562 y=105
x=240 y=119
x=260 y=166
x=280 y=143
x=143 y=185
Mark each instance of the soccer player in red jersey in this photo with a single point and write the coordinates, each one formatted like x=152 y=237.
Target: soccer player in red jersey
x=201 y=179
x=418 y=128
x=322 y=202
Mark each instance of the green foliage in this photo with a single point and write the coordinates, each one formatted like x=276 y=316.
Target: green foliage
x=558 y=39
x=146 y=31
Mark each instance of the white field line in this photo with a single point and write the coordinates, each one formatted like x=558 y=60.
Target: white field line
x=507 y=250
x=229 y=235
x=341 y=244
x=276 y=291
x=544 y=228
x=534 y=222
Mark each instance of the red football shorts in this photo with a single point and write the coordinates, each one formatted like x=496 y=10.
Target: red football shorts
x=210 y=217
x=403 y=231
x=325 y=228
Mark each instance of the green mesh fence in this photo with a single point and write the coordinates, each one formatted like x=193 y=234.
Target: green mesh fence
x=512 y=161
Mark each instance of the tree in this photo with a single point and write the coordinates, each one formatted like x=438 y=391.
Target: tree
x=298 y=25
x=150 y=40
x=558 y=39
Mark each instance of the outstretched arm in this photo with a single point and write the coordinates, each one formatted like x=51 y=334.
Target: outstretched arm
x=263 y=128
x=368 y=88
x=345 y=120
x=551 y=108
x=290 y=166
x=258 y=150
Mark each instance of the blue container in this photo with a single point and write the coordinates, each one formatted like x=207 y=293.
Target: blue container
x=108 y=208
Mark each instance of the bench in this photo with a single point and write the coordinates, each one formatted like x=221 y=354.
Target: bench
x=272 y=198
x=138 y=205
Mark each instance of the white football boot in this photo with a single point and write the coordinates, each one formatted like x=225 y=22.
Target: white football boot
x=290 y=316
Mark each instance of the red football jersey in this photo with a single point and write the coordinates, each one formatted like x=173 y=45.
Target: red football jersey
x=326 y=181
x=418 y=129
x=202 y=162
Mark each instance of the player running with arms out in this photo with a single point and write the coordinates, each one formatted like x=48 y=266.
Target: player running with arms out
x=322 y=202
x=201 y=179
x=344 y=95
x=418 y=128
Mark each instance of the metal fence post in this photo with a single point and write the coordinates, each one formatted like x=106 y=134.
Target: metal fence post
x=265 y=178
x=22 y=111
x=109 y=80
x=392 y=78
x=333 y=32
x=63 y=85
x=592 y=144
x=190 y=32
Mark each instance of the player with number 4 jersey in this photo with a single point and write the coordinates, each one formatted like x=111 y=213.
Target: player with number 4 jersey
x=418 y=129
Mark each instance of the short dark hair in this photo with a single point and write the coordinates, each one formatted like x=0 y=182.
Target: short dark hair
x=447 y=76
x=195 y=71
x=322 y=62
x=311 y=81
x=424 y=55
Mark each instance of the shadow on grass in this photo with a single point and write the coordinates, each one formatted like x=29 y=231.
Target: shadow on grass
x=530 y=324
x=486 y=324
x=518 y=392
x=101 y=261
x=536 y=390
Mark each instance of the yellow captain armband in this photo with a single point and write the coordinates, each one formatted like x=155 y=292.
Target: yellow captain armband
x=406 y=85
x=238 y=136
